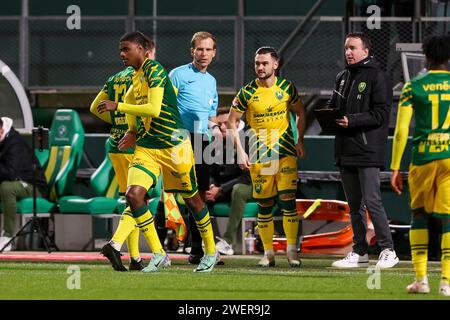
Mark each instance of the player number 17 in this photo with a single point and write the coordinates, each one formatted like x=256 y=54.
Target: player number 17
x=434 y=98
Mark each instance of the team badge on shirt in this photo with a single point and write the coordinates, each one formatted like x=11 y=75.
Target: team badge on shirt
x=279 y=95
x=361 y=86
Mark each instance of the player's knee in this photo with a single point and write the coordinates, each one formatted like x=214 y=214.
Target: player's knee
x=6 y=188
x=287 y=196
x=266 y=203
x=195 y=203
x=420 y=214
x=135 y=196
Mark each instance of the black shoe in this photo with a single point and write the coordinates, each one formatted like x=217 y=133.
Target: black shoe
x=136 y=265
x=195 y=256
x=114 y=257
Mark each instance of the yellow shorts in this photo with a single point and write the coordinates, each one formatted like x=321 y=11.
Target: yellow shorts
x=120 y=163
x=274 y=177
x=176 y=164
x=429 y=187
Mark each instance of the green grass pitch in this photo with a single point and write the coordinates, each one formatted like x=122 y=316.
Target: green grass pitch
x=238 y=279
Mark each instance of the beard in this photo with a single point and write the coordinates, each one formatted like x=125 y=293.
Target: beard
x=267 y=75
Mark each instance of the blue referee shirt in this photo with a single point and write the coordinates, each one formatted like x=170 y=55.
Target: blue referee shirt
x=197 y=97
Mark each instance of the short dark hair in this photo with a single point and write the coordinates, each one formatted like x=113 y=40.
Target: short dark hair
x=365 y=39
x=139 y=38
x=437 y=49
x=223 y=110
x=202 y=35
x=266 y=49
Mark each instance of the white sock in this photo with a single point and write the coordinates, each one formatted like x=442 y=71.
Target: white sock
x=291 y=247
x=116 y=246
x=268 y=252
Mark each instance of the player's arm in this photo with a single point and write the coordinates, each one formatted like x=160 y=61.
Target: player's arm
x=129 y=139
x=296 y=106
x=233 y=118
x=156 y=78
x=106 y=116
x=151 y=109
x=299 y=110
x=212 y=122
x=404 y=116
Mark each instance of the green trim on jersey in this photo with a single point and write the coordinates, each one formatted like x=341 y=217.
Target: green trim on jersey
x=246 y=100
x=429 y=96
x=167 y=129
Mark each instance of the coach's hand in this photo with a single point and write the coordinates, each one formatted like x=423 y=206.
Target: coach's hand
x=128 y=141
x=106 y=105
x=243 y=160
x=397 y=182
x=343 y=122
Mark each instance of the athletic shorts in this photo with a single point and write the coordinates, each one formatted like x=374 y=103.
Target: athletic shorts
x=429 y=187
x=120 y=163
x=202 y=168
x=176 y=164
x=275 y=177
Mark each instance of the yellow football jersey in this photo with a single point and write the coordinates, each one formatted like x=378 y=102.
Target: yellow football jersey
x=267 y=114
x=163 y=131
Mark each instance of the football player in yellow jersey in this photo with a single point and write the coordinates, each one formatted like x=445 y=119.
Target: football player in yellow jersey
x=267 y=102
x=162 y=147
x=114 y=89
x=428 y=97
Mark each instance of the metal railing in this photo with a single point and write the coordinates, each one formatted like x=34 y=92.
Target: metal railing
x=46 y=55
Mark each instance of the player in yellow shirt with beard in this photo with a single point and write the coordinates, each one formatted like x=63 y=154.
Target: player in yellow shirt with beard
x=267 y=102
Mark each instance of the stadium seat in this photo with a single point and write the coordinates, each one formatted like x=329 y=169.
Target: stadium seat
x=66 y=141
x=104 y=184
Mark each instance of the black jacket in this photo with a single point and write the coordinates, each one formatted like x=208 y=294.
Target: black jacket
x=363 y=93
x=228 y=173
x=16 y=163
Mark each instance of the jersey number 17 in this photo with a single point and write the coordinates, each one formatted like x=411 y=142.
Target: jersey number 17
x=435 y=99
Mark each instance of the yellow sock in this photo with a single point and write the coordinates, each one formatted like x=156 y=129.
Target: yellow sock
x=266 y=227
x=125 y=227
x=290 y=226
x=419 y=251
x=133 y=244
x=147 y=226
x=445 y=256
x=204 y=226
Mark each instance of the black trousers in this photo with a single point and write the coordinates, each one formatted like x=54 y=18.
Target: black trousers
x=362 y=190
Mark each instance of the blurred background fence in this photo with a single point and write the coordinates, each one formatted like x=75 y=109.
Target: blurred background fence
x=46 y=55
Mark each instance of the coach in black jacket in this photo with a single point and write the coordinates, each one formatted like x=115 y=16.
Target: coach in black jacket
x=16 y=175
x=363 y=94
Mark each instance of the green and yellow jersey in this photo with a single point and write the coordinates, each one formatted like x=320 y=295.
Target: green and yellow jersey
x=149 y=84
x=429 y=97
x=115 y=89
x=268 y=118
